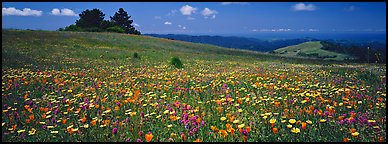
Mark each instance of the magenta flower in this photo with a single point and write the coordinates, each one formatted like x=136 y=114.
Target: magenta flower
x=114 y=131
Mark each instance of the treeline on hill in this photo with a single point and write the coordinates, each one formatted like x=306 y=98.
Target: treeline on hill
x=364 y=53
x=93 y=21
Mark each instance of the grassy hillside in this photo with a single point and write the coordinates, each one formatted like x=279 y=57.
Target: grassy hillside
x=78 y=49
x=311 y=50
x=72 y=87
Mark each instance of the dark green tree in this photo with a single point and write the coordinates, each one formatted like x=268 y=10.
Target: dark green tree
x=90 y=19
x=122 y=19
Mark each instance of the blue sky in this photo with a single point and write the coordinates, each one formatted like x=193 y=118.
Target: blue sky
x=209 y=17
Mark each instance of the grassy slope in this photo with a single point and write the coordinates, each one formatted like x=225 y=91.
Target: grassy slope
x=310 y=48
x=77 y=49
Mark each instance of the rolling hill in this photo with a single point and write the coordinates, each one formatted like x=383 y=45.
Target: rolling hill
x=236 y=42
x=21 y=47
x=311 y=50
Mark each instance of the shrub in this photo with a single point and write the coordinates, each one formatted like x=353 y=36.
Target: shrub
x=72 y=28
x=176 y=62
x=92 y=29
x=136 y=55
x=115 y=29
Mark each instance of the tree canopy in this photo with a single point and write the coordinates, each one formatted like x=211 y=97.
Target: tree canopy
x=93 y=21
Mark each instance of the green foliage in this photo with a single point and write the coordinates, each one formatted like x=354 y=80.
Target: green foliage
x=115 y=29
x=92 y=29
x=72 y=28
x=122 y=19
x=175 y=61
x=136 y=55
x=106 y=24
x=90 y=18
x=93 y=21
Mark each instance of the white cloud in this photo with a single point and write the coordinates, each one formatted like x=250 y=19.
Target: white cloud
x=190 y=18
x=313 y=30
x=187 y=10
x=63 y=12
x=136 y=25
x=208 y=12
x=350 y=8
x=272 y=30
x=17 y=12
x=172 y=13
x=303 y=7
x=158 y=17
x=167 y=23
x=229 y=3
x=183 y=27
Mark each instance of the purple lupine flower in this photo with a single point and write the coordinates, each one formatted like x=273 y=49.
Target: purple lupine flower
x=141 y=133
x=114 y=131
x=142 y=114
x=190 y=133
x=139 y=140
x=127 y=119
x=245 y=132
x=195 y=130
x=127 y=140
x=53 y=120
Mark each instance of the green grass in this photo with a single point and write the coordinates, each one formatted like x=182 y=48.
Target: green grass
x=311 y=50
x=42 y=48
x=65 y=80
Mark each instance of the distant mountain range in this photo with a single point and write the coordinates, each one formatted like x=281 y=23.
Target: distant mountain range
x=236 y=42
x=262 y=45
x=331 y=49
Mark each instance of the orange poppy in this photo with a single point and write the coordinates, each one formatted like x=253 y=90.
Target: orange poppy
x=183 y=136
x=103 y=100
x=245 y=138
x=274 y=130
x=14 y=127
x=304 y=125
x=198 y=120
x=223 y=133
x=277 y=104
x=239 y=100
x=28 y=120
x=135 y=96
x=83 y=119
x=232 y=130
x=346 y=139
x=45 y=109
x=64 y=121
x=149 y=136
x=94 y=122
x=228 y=126
x=32 y=117
x=198 y=140
x=352 y=130
x=231 y=119
x=248 y=129
x=107 y=122
x=44 y=116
